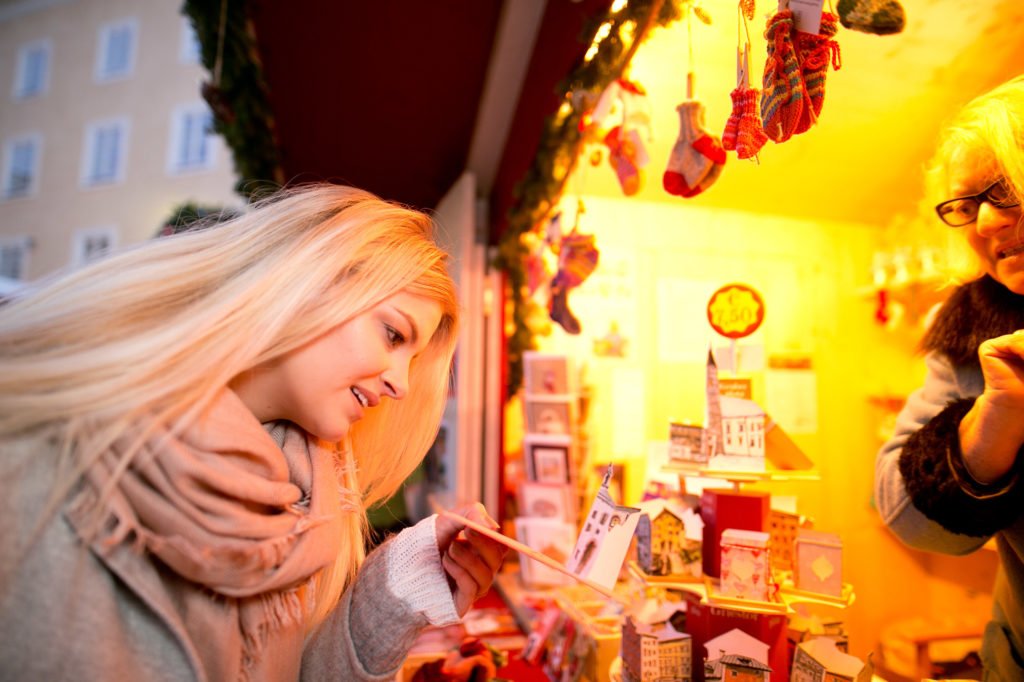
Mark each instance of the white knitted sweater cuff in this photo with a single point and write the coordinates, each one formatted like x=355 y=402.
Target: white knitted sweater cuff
x=415 y=574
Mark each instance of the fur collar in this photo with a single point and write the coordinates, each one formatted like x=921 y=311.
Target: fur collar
x=977 y=311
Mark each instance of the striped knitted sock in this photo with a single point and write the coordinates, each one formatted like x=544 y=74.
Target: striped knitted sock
x=782 y=97
x=814 y=52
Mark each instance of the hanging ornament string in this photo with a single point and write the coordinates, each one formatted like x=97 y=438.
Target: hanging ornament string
x=689 y=49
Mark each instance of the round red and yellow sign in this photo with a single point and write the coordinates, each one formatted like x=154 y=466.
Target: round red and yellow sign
x=735 y=311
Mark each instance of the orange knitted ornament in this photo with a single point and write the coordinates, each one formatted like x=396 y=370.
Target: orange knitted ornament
x=815 y=52
x=783 y=96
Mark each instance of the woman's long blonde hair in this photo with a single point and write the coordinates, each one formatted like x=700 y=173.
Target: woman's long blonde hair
x=987 y=130
x=157 y=330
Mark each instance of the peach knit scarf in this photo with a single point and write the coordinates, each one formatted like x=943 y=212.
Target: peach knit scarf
x=228 y=509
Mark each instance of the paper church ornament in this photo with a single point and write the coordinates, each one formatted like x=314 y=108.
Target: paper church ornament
x=737 y=436
x=746 y=565
x=735 y=428
x=604 y=539
x=819 y=563
x=652 y=653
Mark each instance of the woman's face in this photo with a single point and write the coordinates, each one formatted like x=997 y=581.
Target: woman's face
x=330 y=382
x=996 y=237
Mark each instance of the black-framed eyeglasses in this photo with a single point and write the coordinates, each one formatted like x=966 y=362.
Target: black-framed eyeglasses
x=964 y=210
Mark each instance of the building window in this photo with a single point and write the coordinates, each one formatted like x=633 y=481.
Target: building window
x=32 y=77
x=14 y=258
x=90 y=244
x=190 y=51
x=115 y=57
x=106 y=144
x=191 y=139
x=21 y=166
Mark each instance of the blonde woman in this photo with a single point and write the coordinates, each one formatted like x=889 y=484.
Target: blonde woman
x=190 y=432
x=950 y=478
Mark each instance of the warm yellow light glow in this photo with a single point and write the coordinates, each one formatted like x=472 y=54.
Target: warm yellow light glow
x=618 y=5
x=602 y=33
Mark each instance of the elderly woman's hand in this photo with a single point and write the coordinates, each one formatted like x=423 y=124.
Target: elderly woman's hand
x=993 y=431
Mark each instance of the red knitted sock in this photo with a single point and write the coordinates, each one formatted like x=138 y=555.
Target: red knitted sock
x=749 y=136
x=732 y=124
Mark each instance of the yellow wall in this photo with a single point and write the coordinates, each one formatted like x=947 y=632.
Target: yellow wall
x=659 y=262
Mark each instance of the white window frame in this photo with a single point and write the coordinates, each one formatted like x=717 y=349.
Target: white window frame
x=175 y=154
x=89 y=150
x=81 y=239
x=20 y=89
x=21 y=246
x=104 y=35
x=189 y=49
x=34 y=139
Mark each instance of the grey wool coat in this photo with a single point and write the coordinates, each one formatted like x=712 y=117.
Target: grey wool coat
x=76 y=611
x=923 y=490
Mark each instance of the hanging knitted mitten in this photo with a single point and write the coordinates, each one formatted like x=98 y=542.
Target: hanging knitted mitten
x=746 y=133
x=881 y=17
x=627 y=155
x=783 y=94
x=815 y=52
x=577 y=258
x=694 y=153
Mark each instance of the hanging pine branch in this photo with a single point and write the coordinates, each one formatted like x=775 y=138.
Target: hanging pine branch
x=237 y=92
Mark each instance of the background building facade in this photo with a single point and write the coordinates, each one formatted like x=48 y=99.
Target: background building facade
x=103 y=131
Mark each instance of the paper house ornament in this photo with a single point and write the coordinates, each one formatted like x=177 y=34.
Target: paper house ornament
x=746 y=565
x=737 y=642
x=731 y=667
x=604 y=539
x=654 y=653
x=819 y=563
x=782 y=527
x=820 y=659
x=742 y=433
x=664 y=547
x=707 y=621
x=685 y=443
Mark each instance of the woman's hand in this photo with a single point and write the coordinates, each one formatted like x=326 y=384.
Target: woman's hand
x=993 y=431
x=469 y=558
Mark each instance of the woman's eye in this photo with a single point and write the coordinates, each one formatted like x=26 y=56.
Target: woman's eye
x=395 y=337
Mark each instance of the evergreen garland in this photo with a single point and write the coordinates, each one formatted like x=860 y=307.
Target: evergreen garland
x=237 y=92
x=557 y=153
